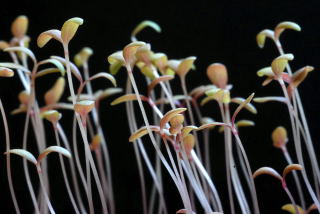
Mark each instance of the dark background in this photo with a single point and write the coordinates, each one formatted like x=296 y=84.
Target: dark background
x=215 y=31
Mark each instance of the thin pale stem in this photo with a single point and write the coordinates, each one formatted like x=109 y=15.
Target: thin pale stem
x=295 y=176
x=66 y=181
x=6 y=129
x=45 y=193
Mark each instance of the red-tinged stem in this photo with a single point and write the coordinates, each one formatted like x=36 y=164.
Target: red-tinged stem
x=284 y=186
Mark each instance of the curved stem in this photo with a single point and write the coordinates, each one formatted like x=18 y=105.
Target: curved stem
x=6 y=129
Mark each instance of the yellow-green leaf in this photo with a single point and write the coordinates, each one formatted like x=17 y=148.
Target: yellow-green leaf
x=70 y=28
x=262 y=35
x=279 y=64
x=142 y=25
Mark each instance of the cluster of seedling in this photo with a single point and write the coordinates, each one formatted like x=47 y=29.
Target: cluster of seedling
x=177 y=129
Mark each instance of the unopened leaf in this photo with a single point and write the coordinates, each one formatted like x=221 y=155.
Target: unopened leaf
x=279 y=137
x=218 y=75
x=54 y=94
x=19 y=26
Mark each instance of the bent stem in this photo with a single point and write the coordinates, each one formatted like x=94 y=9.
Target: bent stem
x=6 y=129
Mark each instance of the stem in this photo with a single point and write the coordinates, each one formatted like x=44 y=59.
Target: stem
x=134 y=85
x=45 y=192
x=66 y=181
x=80 y=170
x=298 y=148
x=227 y=162
x=83 y=133
x=253 y=189
x=73 y=170
x=290 y=197
x=6 y=129
x=105 y=151
x=295 y=176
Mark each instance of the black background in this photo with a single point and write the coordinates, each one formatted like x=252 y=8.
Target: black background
x=215 y=31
